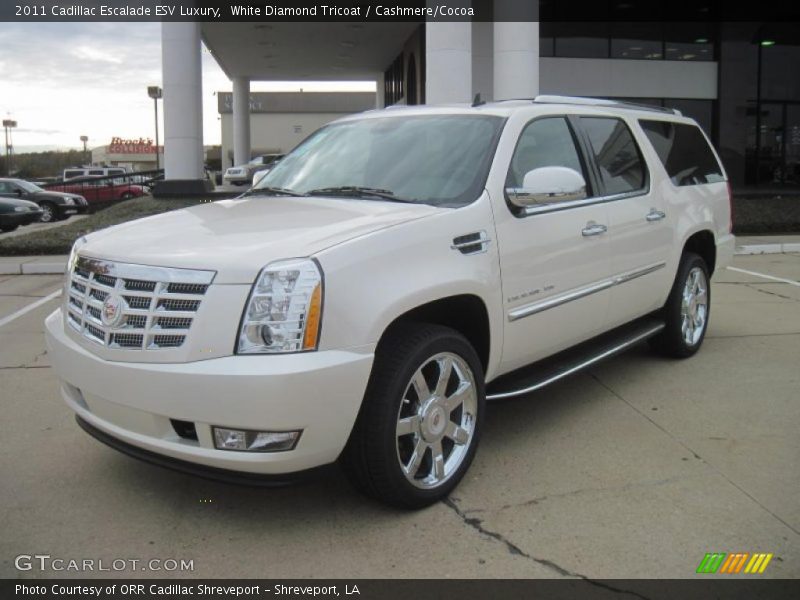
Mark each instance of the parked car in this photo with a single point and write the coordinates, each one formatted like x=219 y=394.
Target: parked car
x=14 y=213
x=101 y=191
x=243 y=174
x=55 y=206
x=79 y=172
x=390 y=275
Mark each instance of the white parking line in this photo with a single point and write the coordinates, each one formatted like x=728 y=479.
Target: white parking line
x=26 y=309
x=764 y=276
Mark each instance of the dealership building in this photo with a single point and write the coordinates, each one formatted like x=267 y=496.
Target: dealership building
x=738 y=79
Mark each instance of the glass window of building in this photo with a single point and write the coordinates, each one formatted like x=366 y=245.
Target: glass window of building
x=642 y=41
x=581 y=40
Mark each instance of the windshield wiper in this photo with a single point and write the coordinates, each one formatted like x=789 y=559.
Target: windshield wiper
x=271 y=191
x=356 y=191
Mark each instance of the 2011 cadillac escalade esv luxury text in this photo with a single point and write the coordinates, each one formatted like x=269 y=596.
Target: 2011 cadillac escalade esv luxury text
x=390 y=275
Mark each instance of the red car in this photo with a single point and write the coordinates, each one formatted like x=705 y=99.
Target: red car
x=100 y=192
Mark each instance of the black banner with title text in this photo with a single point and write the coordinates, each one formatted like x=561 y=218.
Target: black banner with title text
x=377 y=11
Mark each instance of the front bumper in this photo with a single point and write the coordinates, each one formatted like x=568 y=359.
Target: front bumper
x=317 y=392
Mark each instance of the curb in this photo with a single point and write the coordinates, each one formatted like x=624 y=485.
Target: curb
x=752 y=249
x=33 y=268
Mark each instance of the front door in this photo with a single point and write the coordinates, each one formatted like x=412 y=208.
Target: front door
x=554 y=258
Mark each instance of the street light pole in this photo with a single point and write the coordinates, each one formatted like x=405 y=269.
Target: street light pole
x=84 y=139
x=8 y=125
x=155 y=93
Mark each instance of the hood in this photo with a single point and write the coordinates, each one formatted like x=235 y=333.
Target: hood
x=12 y=202
x=237 y=238
x=51 y=195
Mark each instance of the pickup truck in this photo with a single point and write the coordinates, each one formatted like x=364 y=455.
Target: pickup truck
x=393 y=274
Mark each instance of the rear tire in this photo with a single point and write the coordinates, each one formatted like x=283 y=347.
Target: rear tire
x=686 y=311
x=421 y=419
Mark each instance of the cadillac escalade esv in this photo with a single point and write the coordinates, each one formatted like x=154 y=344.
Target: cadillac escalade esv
x=390 y=275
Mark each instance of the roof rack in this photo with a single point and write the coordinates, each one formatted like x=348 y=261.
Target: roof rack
x=582 y=101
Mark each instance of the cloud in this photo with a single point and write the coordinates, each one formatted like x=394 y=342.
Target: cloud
x=94 y=54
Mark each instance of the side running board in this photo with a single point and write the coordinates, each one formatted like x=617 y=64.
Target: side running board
x=538 y=375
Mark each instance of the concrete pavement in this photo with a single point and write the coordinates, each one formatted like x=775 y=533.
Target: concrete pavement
x=635 y=468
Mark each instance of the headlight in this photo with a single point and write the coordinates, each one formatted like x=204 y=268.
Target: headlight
x=284 y=311
x=69 y=201
x=73 y=254
x=20 y=209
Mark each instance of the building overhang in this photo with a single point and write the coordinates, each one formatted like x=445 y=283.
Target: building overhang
x=305 y=51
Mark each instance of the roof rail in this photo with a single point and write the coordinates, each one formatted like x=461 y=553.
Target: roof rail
x=582 y=101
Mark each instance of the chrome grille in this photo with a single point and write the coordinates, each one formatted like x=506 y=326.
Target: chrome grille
x=156 y=306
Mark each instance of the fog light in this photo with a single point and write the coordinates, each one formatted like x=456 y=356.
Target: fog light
x=255 y=441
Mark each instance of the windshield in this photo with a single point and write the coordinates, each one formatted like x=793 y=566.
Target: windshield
x=29 y=187
x=435 y=159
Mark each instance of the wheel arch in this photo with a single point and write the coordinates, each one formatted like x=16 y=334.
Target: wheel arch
x=703 y=244
x=466 y=313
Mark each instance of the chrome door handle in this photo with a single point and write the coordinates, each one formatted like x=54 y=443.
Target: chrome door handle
x=655 y=215
x=593 y=228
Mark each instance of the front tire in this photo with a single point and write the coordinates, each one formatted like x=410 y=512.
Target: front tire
x=421 y=418
x=49 y=213
x=687 y=310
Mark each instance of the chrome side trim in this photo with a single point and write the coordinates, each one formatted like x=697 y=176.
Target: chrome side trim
x=625 y=277
x=587 y=363
x=537 y=307
x=548 y=208
x=532 y=309
x=144 y=272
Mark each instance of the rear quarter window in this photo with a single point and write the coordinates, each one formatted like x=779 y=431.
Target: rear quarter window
x=684 y=152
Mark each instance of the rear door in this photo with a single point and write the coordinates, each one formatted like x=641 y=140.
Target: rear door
x=639 y=228
x=554 y=258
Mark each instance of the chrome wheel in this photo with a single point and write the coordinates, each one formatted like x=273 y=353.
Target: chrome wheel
x=436 y=420
x=694 y=306
x=48 y=214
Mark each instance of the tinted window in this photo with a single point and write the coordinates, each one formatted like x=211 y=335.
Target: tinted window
x=616 y=154
x=543 y=143
x=116 y=171
x=96 y=172
x=73 y=173
x=684 y=152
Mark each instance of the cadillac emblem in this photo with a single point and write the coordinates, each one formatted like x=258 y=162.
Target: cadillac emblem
x=113 y=310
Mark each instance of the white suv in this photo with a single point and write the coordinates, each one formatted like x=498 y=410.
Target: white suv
x=390 y=275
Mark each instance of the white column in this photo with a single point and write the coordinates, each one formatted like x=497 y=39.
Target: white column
x=183 y=100
x=380 y=91
x=516 y=60
x=483 y=60
x=448 y=62
x=241 y=120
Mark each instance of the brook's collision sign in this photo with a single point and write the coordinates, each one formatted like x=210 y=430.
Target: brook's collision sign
x=132 y=146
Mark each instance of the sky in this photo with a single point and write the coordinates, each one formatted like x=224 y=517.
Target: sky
x=60 y=81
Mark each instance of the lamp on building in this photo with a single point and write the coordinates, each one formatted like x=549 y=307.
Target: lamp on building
x=155 y=93
x=8 y=125
x=84 y=139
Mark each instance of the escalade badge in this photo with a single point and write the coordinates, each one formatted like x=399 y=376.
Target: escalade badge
x=113 y=310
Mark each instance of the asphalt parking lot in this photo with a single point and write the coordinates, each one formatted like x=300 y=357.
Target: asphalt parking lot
x=636 y=468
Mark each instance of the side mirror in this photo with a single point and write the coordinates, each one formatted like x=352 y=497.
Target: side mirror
x=548 y=185
x=18 y=192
